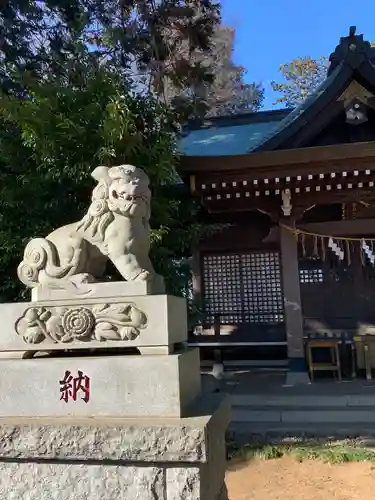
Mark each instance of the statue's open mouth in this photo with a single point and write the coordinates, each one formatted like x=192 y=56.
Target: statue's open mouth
x=130 y=197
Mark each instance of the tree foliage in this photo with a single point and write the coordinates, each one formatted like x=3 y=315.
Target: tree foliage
x=139 y=38
x=302 y=76
x=174 y=48
x=66 y=107
x=227 y=93
x=50 y=144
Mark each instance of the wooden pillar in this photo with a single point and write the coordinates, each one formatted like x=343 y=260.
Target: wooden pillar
x=292 y=306
x=196 y=267
x=197 y=274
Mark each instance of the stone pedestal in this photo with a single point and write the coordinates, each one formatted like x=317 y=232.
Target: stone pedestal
x=150 y=323
x=100 y=399
x=106 y=427
x=111 y=459
x=109 y=386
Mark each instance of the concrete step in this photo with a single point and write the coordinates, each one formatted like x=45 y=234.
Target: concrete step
x=295 y=409
x=243 y=430
x=303 y=401
x=303 y=415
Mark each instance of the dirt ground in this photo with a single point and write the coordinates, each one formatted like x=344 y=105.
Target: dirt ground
x=285 y=478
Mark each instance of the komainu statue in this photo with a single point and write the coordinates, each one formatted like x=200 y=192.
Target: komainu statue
x=115 y=227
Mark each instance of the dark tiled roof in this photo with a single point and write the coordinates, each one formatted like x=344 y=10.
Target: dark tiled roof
x=227 y=136
x=298 y=112
x=270 y=130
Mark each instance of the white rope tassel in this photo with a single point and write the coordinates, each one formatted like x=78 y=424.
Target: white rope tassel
x=368 y=252
x=336 y=249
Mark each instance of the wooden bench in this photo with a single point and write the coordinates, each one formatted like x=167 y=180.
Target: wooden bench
x=333 y=346
x=363 y=345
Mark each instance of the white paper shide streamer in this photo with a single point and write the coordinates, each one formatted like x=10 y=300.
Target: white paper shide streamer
x=339 y=252
x=368 y=252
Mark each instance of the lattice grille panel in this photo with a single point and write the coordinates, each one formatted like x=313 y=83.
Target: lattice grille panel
x=222 y=285
x=243 y=288
x=311 y=276
x=263 y=299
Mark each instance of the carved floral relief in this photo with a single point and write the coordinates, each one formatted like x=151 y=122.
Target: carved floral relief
x=67 y=324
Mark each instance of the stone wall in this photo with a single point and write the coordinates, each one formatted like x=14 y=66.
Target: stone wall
x=108 y=459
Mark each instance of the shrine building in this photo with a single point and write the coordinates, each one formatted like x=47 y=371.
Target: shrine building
x=294 y=193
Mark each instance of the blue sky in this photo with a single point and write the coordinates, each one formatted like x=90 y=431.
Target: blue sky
x=271 y=32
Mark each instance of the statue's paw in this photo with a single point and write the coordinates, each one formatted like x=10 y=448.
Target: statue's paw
x=81 y=279
x=143 y=275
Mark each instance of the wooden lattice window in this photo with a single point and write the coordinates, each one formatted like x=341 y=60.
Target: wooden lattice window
x=312 y=276
x=243 y=288
x=263 y=297
x=311 y=270
x=222 y=287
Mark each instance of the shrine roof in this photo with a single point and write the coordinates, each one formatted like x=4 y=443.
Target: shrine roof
x=352 y=61
x=230 y=135
x=298 y=113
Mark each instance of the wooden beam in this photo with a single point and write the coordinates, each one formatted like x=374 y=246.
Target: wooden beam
x=272 y=204
x=361 y=152
x=305 y=182
x=357 y=227
x=264 y=204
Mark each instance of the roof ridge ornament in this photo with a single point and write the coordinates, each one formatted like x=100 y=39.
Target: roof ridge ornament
x=352 y=31
x=351 y=48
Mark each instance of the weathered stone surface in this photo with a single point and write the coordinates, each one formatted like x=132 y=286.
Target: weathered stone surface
x=195 y=483
x=165 y=323
x=51 y=481
x=213 y=471
x=134 y=440
x=119 y=441
x=120 y=386
x=183 y=483
x=43 y=481
x=92 y=459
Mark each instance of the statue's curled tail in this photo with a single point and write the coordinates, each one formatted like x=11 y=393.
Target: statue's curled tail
x=41 y=259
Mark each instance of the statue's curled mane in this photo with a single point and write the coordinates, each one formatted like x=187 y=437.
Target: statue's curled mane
x=99 y=216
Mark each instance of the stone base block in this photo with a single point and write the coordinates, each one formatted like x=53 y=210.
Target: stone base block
x=150 y=323
x=101 y=290
x=117 y=386
x=95 y=459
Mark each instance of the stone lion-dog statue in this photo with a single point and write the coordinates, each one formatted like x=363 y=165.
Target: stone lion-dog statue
x=115 y=227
